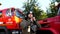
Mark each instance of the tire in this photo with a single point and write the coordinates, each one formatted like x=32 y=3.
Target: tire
x=3 y=30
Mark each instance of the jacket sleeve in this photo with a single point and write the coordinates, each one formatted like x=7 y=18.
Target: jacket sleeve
x=38 y=25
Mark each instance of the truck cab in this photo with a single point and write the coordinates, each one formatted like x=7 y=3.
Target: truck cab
x=10 y=20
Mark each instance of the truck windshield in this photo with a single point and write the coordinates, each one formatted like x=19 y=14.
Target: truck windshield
x=16 y=12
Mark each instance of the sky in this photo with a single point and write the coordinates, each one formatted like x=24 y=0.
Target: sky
x=19 y=4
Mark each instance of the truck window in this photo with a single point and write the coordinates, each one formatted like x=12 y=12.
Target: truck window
x=18 y=14
x=0 y=13
x=9 y=12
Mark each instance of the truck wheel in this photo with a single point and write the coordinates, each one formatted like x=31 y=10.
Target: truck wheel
x=3 y=30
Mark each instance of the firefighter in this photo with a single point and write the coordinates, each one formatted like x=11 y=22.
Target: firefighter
x=33 y=25
x=24 y=25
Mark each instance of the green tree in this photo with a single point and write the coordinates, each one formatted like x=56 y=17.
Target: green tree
x=58 y=0
x=52 y=11
x=43 y=15
x=32 y=5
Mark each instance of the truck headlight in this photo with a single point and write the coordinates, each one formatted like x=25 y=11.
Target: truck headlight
x=1 y=22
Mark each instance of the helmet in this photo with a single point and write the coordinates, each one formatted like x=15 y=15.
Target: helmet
x=31 y=12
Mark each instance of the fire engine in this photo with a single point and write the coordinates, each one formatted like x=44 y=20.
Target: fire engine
x=50 y=25
x=10 y=20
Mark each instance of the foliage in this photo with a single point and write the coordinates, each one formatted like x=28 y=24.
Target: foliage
x=58 y=0
x=52 y=11
x=32 y=5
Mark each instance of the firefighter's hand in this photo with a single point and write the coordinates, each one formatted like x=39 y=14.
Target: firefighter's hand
x=34 y=18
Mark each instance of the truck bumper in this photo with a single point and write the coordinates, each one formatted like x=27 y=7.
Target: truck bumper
x=10 y=31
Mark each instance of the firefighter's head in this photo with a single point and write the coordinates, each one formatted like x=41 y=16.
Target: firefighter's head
x=30 y=14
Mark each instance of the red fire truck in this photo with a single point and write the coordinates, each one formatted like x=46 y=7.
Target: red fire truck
x=50 y=25
x=10 y=20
